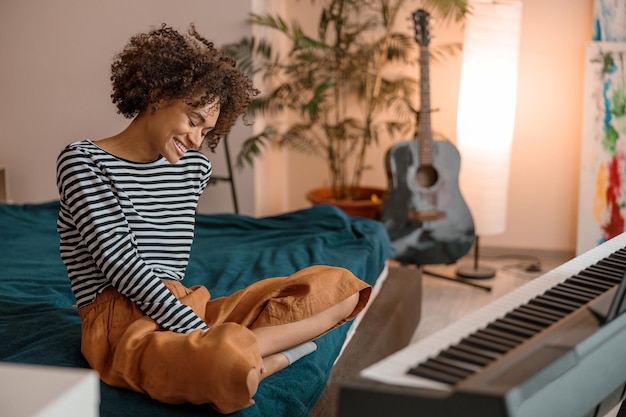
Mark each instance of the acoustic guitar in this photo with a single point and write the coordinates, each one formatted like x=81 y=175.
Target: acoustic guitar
x=424 y=213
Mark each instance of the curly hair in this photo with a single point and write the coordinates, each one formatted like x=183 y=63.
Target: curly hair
x=164 y=64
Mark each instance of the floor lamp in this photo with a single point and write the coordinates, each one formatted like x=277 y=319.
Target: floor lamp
x=486 y=116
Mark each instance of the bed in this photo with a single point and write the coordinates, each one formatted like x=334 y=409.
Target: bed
x=39 y=325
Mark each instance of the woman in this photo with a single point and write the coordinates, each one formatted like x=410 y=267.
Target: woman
x=126 y=226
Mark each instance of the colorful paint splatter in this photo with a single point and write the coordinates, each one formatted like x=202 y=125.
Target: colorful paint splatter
x=602 y=204
x=610 y=217
x=602 y=198
x=609 y=20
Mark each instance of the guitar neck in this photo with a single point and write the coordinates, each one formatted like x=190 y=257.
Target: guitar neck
x=425 y=133
x=425 y=215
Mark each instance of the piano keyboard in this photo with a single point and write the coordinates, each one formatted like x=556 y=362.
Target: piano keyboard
x=448 y=357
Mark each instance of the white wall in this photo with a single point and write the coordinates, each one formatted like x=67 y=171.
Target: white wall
x=54 y=81
x=54 y=88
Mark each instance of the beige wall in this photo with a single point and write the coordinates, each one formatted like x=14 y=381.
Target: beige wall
x=543 y=184
x=54 y=81
x=54 y=86
x=543 y=191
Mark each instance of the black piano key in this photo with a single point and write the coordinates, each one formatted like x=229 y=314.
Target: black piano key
x=586 y=274
x=530 y=317
x=466 y=347
x=560 y=292
x=589 y=276
x=546 y=302
x=608 y=264
x=526 y=329
x=596 y=272
x=486 y=344
x=434 y=375
x=618 y=258
x=590 y=283
x=526 y=324
x=576 y=289
x=448 y=368
x=540 y=311
x=614 y=262
x=548 y=310
x=499 y=340
x=503 y=335
x=609 y=283
x=501 y=325
x=467 y=366
x=477 y=350
x=585 y=291
x=608 y=270
x=454 y=353
x=557 y=302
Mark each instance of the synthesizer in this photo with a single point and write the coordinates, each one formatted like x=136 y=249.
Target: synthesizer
x=553 y=347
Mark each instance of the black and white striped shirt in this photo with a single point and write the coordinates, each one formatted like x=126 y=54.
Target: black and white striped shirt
x=129 y=225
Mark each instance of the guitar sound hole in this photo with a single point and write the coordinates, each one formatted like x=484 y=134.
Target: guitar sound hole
x=426 y=176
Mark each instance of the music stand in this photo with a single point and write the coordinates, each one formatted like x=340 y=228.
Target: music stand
x=608 y=308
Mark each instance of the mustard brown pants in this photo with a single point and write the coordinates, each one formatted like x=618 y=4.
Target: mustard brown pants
x=129 y=350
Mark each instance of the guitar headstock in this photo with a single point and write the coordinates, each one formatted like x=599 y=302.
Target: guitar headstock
x=422 y=33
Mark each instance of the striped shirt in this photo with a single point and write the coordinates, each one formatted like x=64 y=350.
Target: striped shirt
x=129 y=225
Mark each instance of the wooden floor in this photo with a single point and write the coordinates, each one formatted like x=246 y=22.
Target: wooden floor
x=444 y=301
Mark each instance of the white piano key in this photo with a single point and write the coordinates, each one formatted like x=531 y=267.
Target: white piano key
x=393 y=369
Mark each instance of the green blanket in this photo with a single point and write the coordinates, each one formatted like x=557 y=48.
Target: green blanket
x=39 y=325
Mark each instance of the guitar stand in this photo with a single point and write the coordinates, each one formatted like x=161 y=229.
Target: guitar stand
x=476 y=271
x=456 y=279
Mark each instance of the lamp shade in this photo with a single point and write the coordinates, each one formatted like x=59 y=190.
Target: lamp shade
x=486 y=110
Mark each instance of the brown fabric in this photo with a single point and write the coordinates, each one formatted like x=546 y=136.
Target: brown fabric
x=130 y=350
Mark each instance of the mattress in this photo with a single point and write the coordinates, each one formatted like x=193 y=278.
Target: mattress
x=40 y=325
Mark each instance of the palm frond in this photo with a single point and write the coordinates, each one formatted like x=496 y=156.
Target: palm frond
x=332 y=91
x=402 y=47
x=301 y=137
x=252 y=148
x=447 y=10
x=445 y=51
x=250 y=53
x=270 y=21
x=312 y=108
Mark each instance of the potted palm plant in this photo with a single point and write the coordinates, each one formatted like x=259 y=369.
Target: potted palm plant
x=336 y=93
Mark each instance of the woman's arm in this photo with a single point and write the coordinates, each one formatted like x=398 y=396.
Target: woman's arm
x=91 y=205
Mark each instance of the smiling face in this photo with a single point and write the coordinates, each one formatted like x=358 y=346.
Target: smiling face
x=178 y=126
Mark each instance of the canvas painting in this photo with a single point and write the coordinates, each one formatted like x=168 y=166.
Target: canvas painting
x=602 y=198
x=609 y=20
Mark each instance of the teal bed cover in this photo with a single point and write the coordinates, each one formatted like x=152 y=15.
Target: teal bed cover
x=39 y=325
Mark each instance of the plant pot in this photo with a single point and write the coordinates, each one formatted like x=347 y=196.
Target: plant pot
x=367 y=204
